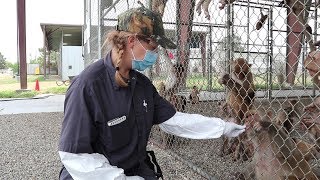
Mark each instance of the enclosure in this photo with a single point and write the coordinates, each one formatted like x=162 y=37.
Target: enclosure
x=275 y=47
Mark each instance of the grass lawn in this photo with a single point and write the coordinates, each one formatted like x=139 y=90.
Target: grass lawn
x=9 y=85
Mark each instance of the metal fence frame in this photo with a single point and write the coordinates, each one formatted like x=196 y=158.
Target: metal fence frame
x=93 y=43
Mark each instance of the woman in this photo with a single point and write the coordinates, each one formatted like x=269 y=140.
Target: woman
x=110 y=107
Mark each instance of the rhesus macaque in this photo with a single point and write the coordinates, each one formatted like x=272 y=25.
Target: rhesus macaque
x=194 y=95
x=241 y=92
x=239 y=99
x=276 y=155
x=312 y=64
x=311 y=120
x=286 y=119
x=224 y=3
x=261 y=21
x=159 y=6
x=162 y=88
x=299 y=7
x=204 y=4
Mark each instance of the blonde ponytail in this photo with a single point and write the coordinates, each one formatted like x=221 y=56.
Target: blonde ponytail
x=117 y=40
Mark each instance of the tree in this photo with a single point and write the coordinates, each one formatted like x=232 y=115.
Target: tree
x=54 y=56
x=234 y=41
x=3 y=64
x=13 y=66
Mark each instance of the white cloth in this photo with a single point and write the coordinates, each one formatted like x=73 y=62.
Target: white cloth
x=85 y=166
x=95 y=166
x=196 y=126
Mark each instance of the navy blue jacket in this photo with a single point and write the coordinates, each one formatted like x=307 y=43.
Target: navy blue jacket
x=94 y=112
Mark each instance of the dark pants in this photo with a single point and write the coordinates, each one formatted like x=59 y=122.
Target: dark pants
x=147 y=174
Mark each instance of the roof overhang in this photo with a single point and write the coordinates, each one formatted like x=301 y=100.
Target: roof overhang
x=57 y=35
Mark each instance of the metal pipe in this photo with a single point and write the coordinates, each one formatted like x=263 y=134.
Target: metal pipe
x=99 y=29
x=248 y=34
x=315 y=40
x=228 y=39
x=210 y=60
x=109 y=9
x=270 y=49
x=21 y=33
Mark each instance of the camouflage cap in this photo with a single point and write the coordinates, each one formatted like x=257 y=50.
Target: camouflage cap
x=144 y=22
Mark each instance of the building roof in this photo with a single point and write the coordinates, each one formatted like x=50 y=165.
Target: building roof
x=56 y=35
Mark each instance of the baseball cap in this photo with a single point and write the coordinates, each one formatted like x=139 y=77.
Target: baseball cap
x=144 y=22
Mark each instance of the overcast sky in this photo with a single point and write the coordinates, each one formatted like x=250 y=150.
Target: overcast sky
x=37 y=11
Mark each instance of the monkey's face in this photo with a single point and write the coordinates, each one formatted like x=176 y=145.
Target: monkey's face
x=312 y=62
x=240 y=68
x=253 y=120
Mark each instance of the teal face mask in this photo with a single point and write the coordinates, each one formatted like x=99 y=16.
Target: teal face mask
x=149 y=59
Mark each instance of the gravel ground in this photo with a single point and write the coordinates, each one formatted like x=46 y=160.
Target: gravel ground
x=29 y=144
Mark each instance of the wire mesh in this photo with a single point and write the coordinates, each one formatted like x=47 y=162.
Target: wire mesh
x=249 y=63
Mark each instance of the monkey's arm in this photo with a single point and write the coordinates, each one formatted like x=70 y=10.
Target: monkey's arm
x=234 y=86
x=261 y=21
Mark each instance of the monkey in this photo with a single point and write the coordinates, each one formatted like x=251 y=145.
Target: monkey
x=159 y=6
x=309 y=29
x=240 y=98
x=204 y=4
x=312 y=64
x=298 y=7
x=286 y=119
x=276 y=155
x=261 y=21
x=241 y=88
x=194 y=95
x=224 y=3
x=162 y=88
x=311 y=120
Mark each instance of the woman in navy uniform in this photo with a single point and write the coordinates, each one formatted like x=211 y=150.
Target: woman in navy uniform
x=110 y=107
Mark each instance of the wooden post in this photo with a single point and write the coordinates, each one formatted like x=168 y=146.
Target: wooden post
x=21 y=33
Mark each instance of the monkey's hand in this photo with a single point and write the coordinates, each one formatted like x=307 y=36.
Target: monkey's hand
x=224 y=79
x=233 y=130
x=224 y=3
x=261 y=125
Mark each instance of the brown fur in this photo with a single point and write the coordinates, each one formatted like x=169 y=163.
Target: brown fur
x=159 y=6
x=241 y=92
x=194 y=95
x=312 y=64
x=311 y=120
x=240 y=98
x=276 y=154
x=204 y=4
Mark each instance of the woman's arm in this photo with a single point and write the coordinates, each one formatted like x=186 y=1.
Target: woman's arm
x=84 y=166
x=196 y=126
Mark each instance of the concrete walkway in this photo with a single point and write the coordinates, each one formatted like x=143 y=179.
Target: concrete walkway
x=43 y=103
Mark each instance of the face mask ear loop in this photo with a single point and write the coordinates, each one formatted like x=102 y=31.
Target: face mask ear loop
x=134 y=57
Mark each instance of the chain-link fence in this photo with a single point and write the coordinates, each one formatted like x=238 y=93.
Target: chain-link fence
x=245 y=61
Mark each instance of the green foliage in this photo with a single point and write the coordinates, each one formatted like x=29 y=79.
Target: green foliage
x=235 y=42
x=14 y=94
x=57 y=90
x=54 y=57
x=3 y=64
x=33 y=78
x=13 y=66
